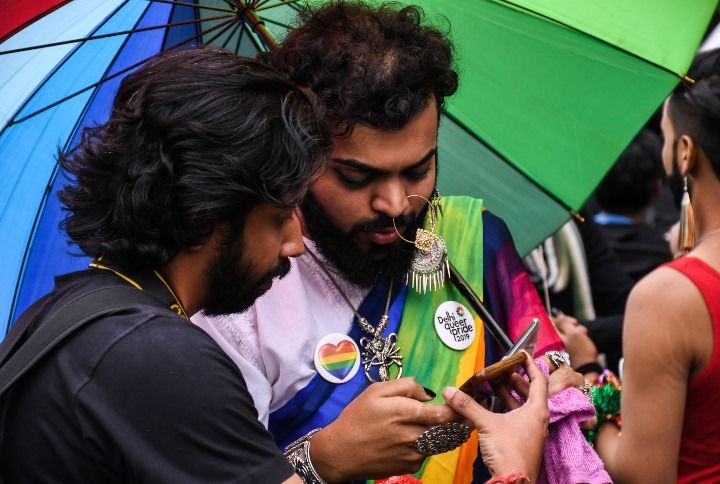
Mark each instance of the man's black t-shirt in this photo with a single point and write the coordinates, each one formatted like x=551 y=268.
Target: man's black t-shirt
x=138 y=396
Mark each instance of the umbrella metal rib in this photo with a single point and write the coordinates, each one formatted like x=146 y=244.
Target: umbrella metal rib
x=194 y=5
x=227 y=24
x=114 y=34
x=244 y=11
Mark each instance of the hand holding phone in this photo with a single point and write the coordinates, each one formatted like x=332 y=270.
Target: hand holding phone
x=478 y=385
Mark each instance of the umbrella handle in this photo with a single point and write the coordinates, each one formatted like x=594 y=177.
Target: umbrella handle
x=490 y=324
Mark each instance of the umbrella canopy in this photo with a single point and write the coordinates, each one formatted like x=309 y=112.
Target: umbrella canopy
x=52 y=91
x=550 y=94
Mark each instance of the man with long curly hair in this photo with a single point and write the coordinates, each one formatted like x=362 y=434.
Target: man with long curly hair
x=345 y=317
x=187 y=194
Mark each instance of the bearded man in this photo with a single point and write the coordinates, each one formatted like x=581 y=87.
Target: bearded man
x=185 y=199
x=322 y=348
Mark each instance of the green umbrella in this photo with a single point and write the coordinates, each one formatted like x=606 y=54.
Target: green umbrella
x=550 y=94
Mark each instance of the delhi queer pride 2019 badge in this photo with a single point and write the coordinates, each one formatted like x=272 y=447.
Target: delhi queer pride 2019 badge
x=455 y=325
x=337 y=358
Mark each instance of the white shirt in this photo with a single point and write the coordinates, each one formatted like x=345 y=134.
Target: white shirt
x=273 y=342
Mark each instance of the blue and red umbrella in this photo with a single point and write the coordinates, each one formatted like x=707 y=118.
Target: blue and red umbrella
x=61 y=63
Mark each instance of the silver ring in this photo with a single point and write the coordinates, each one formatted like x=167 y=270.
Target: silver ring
x=556 y=358
x=442 y=438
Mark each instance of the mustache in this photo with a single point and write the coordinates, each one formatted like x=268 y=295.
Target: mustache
x=383 y=222
x=282 y=270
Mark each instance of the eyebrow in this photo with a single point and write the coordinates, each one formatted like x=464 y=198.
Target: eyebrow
x=358 y=165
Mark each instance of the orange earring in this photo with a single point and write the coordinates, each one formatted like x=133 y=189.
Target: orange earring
x=687 y=221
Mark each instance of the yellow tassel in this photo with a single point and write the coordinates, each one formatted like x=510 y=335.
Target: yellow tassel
x=687 y=224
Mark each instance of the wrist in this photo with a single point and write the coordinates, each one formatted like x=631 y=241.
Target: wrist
x=515 y=477
x=606 y=400
x=519 y=466
x=322 y=458
x=590 y=371
x=591 y=378
x=298 y=455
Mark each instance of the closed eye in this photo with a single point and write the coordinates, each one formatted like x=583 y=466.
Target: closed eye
x=353 y=178
x=418 y=174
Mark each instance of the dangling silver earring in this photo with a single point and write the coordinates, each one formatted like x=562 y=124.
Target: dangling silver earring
x=687 y=221
x=429 y=265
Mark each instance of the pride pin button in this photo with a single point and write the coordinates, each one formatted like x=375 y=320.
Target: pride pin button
x=337 y=358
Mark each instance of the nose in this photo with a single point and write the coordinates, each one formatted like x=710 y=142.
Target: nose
x=390 y=198
x=293 y=245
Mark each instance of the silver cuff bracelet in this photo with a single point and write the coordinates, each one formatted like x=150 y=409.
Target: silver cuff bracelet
x=298 y=454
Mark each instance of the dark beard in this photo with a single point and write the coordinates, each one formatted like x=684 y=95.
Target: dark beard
x=361 y=267
x=231 y=288
x=675 y=180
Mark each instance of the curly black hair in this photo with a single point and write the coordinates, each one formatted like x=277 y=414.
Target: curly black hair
x=375 y=65
x=632 y=182
x=195 y=139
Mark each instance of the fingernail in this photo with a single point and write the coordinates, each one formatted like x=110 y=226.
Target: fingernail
x=449 y=392
x=429 y=392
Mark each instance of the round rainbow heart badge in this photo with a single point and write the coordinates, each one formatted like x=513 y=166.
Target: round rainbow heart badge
x=337 y=357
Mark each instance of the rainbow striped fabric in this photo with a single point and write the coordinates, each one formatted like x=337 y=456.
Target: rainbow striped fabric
x=485 y=255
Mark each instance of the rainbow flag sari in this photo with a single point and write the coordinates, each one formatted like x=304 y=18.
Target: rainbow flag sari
x=481 y=248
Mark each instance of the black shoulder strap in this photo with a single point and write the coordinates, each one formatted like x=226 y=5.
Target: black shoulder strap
x=18 y=355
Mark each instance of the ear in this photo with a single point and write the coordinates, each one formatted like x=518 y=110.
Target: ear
x=212 y=240
x=688 y=152
x=303 y=227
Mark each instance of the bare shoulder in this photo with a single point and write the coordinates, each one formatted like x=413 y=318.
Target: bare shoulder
x=665 y=292
x=666 y=319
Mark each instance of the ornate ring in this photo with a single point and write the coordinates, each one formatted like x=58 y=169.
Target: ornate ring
x=556 y=358
x=588 y=392
x=442 y=438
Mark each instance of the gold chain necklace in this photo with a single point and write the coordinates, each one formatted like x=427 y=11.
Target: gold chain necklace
x=177 y=307
x=378 y=352
x=706 y=235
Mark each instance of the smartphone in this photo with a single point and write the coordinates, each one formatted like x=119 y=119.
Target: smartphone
x=527 y=340
x=478 y=385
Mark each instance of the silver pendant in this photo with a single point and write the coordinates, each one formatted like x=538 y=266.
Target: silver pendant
x=429 y=267
x=378 y=352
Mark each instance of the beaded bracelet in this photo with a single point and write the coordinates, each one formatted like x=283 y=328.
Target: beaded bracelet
x=606 y=400
x=514 y=478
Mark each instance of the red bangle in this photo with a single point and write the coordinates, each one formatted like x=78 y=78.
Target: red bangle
x=514 y=478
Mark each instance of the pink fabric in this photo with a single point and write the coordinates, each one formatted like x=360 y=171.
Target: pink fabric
x=567 y=456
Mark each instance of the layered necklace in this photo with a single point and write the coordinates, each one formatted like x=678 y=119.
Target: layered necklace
x=379 y=354
x=176 y=306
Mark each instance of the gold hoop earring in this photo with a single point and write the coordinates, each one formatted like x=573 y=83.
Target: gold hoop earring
x=429 y=265
x=687 y=221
